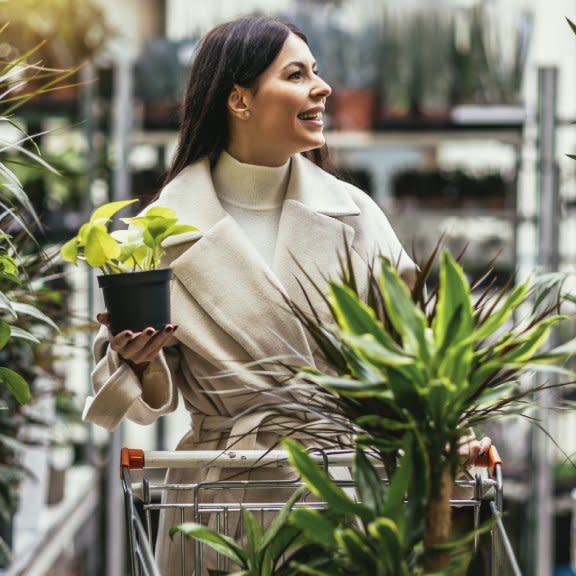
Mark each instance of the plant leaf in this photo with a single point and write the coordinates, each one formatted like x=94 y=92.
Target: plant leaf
x=220 y=543
x=17 y=332
x=33 y=312
x=406 y=318
x=104 y=213
x=356 y=317
x=320 y=484
x=316 y=525
x=100 y=246
x=370 y=485
x=69 y=251
x=5 y=332
x=15 y=384
x=254 y=534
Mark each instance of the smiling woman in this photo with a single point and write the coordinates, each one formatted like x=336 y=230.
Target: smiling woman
x=289 y=99
x=272 y=223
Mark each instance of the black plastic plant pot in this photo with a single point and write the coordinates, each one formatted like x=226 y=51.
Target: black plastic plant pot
x=136 y=300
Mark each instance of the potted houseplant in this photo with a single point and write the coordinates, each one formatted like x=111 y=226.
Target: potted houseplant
x=135 y=287
x=347 y=60
x=428 y=366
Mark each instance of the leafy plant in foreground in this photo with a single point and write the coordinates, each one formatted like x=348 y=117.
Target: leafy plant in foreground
x=433 y=366
x=18 y=308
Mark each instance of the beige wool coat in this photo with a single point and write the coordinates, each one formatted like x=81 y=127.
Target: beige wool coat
x=229 y=306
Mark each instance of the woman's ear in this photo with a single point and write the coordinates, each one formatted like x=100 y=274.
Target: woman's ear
x=239 y=102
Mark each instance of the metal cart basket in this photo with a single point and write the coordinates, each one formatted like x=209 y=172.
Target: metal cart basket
x=143 y=485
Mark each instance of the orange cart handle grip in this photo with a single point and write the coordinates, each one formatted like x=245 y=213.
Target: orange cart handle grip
x=489 y=459
x=132 y=458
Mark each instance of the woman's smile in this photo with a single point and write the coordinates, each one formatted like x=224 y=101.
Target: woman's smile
x=313 y=118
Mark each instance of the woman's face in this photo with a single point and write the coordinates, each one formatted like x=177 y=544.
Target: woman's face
x=286 y=106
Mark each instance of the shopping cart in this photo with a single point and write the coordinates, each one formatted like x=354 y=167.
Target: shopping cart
x=142 y=486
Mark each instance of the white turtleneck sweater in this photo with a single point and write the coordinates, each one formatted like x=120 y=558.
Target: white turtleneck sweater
x=253 y=196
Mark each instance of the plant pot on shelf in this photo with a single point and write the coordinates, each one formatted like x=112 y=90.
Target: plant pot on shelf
x=60 y=459
x=136 y=300
x=354 y=108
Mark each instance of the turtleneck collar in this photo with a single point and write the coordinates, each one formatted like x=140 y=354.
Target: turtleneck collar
x=248 y=185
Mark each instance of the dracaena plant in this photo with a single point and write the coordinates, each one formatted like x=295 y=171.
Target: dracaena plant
x=137 y=248
x=377 y=533
x=433 y=365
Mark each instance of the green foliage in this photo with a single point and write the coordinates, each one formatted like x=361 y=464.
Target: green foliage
x=377 y=535
x=71 y=32
x=264 y=549
x=20 y=312
x=138 y=248
x=444 y=366
x=404 y=363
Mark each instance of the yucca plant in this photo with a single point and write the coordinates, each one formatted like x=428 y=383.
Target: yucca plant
x=377 y=533
x=434 y=366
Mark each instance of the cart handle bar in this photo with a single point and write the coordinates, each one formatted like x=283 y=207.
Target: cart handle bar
x=136 y=459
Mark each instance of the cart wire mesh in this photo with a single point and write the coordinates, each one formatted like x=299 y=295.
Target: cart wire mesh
x=142 y=487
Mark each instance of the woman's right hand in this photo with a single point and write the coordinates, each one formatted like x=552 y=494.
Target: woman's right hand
x=138 y=348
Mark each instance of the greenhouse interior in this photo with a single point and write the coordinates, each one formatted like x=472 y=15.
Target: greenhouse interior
x=371 y=371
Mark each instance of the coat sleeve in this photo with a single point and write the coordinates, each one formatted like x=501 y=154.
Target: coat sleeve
x=119 y=393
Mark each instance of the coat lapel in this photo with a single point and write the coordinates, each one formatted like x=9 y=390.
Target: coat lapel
x=311 y=237
x=227 y=277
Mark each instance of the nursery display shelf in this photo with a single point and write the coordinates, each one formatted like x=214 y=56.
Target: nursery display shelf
x=35 y=552
x=370 y=138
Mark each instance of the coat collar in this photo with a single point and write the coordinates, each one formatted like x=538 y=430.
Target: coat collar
x=192 y=195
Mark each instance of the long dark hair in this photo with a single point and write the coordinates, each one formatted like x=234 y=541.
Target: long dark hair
x=236 y=52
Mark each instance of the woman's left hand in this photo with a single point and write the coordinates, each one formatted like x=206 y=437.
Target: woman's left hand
x=471 y=448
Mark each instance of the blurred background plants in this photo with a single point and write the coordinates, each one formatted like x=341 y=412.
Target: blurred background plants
x=67 y=32
x=30 y=297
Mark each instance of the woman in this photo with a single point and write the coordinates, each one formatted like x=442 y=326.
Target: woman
x=254 y=106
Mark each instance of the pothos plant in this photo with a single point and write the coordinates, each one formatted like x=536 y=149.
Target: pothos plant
x=136 y=288
x=138 y=248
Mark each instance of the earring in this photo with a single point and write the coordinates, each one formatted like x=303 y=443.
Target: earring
x=247 y=114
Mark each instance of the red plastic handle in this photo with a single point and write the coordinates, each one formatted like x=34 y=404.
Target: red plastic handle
x=489 y=459
x=132 y=458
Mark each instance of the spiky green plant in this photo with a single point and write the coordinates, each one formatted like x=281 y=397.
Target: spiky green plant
x=433 y=365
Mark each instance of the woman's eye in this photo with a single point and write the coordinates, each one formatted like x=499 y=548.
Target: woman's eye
x=295 y=75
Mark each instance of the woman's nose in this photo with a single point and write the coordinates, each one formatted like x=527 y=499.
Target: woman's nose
x=321 y=88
